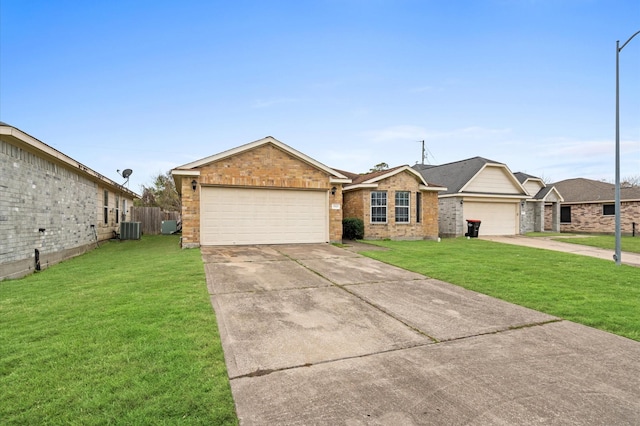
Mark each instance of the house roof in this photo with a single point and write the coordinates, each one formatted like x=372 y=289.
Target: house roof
x=523 y=177
x=191 y=169
x=581 y=190
x=23 y=139
x=371 y=179
x=456 y=175
x=251 y=145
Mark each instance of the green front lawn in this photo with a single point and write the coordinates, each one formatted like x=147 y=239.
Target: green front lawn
x=627 y=243
x=124 y=334
x=590 y=291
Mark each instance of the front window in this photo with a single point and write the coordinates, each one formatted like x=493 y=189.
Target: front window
x=608 y=209
x=565 y=214
x=378 y=207
x=402 y=206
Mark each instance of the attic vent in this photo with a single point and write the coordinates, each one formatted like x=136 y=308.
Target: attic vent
x=130 y=230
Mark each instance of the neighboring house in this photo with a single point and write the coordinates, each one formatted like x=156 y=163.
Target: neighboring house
x=542 y=212
x=396 y=203
x=589 y=206
x=477 y=189
x=51 y=206
x=264 y=192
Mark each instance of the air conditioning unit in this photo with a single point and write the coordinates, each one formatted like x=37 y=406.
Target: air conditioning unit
x=130 y=230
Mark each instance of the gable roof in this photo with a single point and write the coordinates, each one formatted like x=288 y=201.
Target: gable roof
x=581 y=190
x=523 y=177
x=456 y=175
x=251 y=145
x=191 y=169
x=24 y=140
x=370 y=180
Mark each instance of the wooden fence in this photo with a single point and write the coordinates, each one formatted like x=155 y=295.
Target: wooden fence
x=151 y=218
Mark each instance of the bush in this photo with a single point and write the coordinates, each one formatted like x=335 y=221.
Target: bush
x=352 y=228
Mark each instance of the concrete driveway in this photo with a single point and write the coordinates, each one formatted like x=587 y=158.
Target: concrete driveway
x=316 y=334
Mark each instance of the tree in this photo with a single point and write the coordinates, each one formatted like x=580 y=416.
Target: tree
x=630 y=182
x=161 y=194
x=379 y=167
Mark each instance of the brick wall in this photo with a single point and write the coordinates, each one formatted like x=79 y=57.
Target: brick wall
x=264 y=166
x=589 y=218
x=39 y=194
x=450 y=216
x=357 y=203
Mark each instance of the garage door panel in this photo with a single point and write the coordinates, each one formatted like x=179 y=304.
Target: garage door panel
x=262 y=216
x=497 y=218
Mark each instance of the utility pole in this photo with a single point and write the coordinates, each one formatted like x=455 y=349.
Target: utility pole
x=423 y=152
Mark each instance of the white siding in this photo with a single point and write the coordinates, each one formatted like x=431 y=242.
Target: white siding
x=493 y=180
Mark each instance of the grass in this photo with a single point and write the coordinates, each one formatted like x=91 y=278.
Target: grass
x=124 y=334
x=627 y=243
x=586 y=290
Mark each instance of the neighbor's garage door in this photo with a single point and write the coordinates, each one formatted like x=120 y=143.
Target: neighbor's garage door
x=497 y=218
x=262 y=216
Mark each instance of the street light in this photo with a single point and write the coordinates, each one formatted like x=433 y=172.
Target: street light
x=618 y=256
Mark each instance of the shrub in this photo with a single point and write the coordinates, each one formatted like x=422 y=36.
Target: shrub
x=352 y=228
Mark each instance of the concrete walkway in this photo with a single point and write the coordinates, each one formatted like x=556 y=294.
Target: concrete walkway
x=632 y=259
x=319 y=335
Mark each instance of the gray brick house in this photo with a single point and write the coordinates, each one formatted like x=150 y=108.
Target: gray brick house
x=481 y=189
x=51 y=206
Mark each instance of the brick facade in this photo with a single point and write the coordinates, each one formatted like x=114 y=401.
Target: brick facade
x=265 y=166
x=49 y=206
x=357 y=203
x=589 y=218
x=451 y=214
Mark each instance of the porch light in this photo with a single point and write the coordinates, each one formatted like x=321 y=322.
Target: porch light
x=333 y=190
x=194 y=184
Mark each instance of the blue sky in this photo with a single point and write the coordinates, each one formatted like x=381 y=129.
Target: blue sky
x=151 y=85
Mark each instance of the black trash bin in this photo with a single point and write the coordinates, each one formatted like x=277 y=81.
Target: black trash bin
x=473 y=227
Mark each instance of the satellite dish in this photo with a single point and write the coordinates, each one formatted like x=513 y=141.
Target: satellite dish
x=126 y=173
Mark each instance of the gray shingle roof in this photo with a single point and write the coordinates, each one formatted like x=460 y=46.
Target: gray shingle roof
x=454 y=175
x=592 y=191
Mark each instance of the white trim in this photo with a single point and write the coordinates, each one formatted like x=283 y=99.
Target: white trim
x=474 y=195
x=386 y=207
x=554 y=189
x=408 y=207
x=260 y=142
x=431 y=188
x=339 y=180
x=52 y=153
x=360 y=186
x=175 y=172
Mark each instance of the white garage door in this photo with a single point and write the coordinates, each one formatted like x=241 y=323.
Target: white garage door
x=262 y=216
x=497 y=218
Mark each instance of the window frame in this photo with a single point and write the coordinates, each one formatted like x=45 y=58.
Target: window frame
x=117 y=209
x=608 y=210
x=418 y=207
x=564 y=215
x=106 y=207
x=374 y=216
x=401 y=210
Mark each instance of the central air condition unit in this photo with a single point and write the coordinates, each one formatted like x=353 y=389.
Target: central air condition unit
x=130 y=230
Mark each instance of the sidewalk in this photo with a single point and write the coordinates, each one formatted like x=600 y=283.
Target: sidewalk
x=546 y=243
